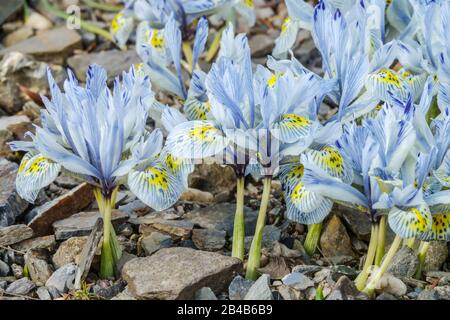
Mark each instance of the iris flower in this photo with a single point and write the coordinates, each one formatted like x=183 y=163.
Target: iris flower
x=209 y=133
x=100 y=136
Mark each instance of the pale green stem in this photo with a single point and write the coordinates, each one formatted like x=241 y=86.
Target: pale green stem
x=362 y=277
x=238 y=249
x=424 y=246
x=214 y=47
x=373 y=283
x=312 y=238
x=410 y=242
x=111 y=251
x=381 y=240
x=254 y=256
x=187 y=51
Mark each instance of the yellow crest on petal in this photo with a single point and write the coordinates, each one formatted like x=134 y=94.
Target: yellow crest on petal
x=157 y=178
x=420 y=223
x=285 y=24
x=248 y=3
x=332 y=159
x=117 y=22
x=293 y=120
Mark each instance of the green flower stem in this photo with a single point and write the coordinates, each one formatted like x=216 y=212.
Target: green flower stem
x=312 y=238
x=238 y=249
x=90 y=27
x=102 y=6
x=254 y=256
x=424 y=246
x=381 y=240
x=370 y=288
x=410 y=242
x=364 y=274
x=214 y=47
x=111 y=251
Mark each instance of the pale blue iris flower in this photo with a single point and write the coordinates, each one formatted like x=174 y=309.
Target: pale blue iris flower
x=100 y=136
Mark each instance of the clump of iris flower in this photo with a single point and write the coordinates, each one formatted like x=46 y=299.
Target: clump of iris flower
x=100 y=136
x=156 y=13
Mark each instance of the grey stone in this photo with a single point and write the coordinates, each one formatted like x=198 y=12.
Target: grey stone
x=357 y=221
x=20 y=287
x=436 y=255
x=18 y=35
x=307 y=269
x=81 y=224
x=49 y=45
x=239 y=287
x=404 y=263
x=261 y=45
x=221 y=217
x=289 y=293
x=177 y=273
x=13 y=128
x=49 y=293
x=114 y=61
x=63 y=278
x=4 y=269
x=3 y=285
x=17 y=270
x=298 y=281
x=155 y=241
x=107 y=290
x=345 y=289
x=260 y=290
x=11 y=205
x=205 y=293
x=209 y=239
x=386 y=296
x=8 y=8
x=428 y=294
x=14 y=234
x=38 y=267
x=41 y=218
x=43 y=293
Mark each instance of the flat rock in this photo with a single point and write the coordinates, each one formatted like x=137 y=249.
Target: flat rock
x=261 y=44
x=17 y=68
x=40 y=219
x=69 y=251
x=176 y=228
x=345 y=289
x=124 y=295
x=11 y=205
x=18 y=35
x=404 y=263
x=21 y=287
x=38 y=268
x=114 y=61
x=195 y=195
x=209 y=239
x=436 y=255
x=155 y=241
x=221 y=217
x=8 y=8
x=45 y=242
x=358 y=222
x=335 y=240
x=276 y=268
x=48 y=45
x=4 y=269
x=260 y=290
x=63 y=278
x=239 y=287
x=14 y=234
x=177 y=273
x=45 y=293
x=81 y=224
x=298 y=281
